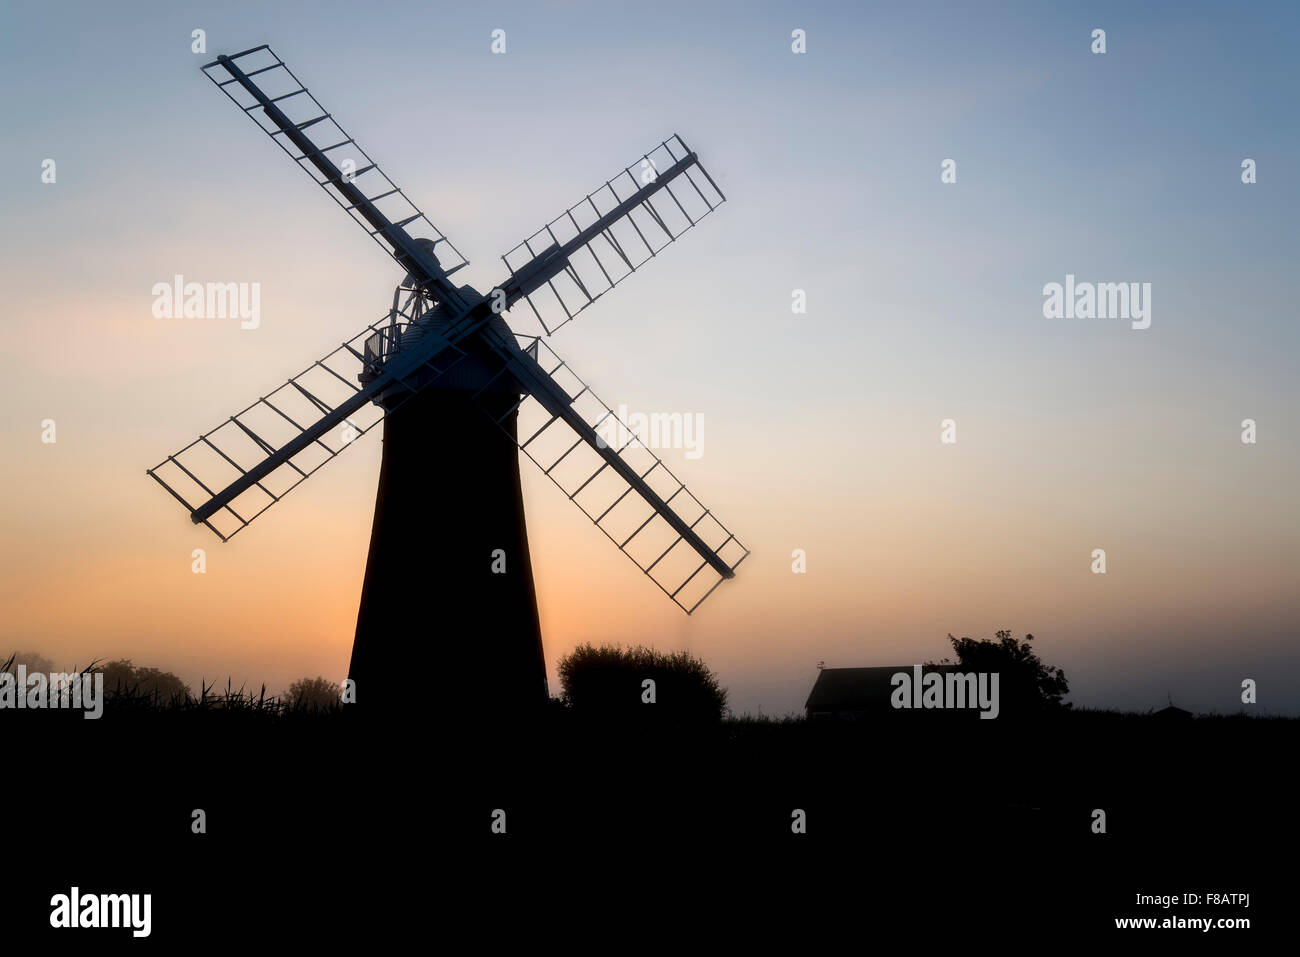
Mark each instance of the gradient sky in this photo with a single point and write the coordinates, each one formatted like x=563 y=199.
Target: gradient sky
x=821 y=431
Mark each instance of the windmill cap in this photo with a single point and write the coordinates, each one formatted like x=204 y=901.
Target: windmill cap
x=428 y=246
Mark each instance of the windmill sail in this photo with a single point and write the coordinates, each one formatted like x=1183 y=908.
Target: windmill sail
x=589 y=248
x=580 y=444
x=232 y=474
x=260 y=84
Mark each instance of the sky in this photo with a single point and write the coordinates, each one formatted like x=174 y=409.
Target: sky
x=821 y=430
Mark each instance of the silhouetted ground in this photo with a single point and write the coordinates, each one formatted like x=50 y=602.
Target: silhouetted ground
x=338 y=825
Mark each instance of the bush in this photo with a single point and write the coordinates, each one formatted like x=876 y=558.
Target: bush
x=611 y=680
x=313 y=694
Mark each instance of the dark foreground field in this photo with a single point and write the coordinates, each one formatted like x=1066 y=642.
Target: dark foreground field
x=337 y=827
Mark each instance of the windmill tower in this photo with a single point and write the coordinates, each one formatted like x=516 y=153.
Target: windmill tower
x=446 y=373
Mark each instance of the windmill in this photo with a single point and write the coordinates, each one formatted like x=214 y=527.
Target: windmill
x=448 y=574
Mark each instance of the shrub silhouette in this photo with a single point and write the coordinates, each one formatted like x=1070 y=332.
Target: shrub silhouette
x=313 y=694
x=1025 y=684
x=610 y=680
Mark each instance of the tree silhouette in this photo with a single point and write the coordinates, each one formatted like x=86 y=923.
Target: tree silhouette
x=123 y=678
x=313 y=694
x=1025 y=683
x=35 y=663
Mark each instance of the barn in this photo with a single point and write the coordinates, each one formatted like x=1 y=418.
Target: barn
x=854 y=694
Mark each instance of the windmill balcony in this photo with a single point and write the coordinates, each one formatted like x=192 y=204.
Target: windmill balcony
x=380 y=346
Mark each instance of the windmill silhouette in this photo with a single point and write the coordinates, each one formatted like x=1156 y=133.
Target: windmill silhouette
x=448 y=574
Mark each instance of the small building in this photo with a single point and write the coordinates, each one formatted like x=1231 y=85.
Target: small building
x=854 y=694
x=1173 y=713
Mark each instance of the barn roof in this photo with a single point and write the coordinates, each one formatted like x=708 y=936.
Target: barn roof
x=857 y=689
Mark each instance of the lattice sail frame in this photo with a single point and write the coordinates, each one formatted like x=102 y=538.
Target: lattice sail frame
x=632 y=241
x=305 y=111
x=217 y=457
x=629 y=521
